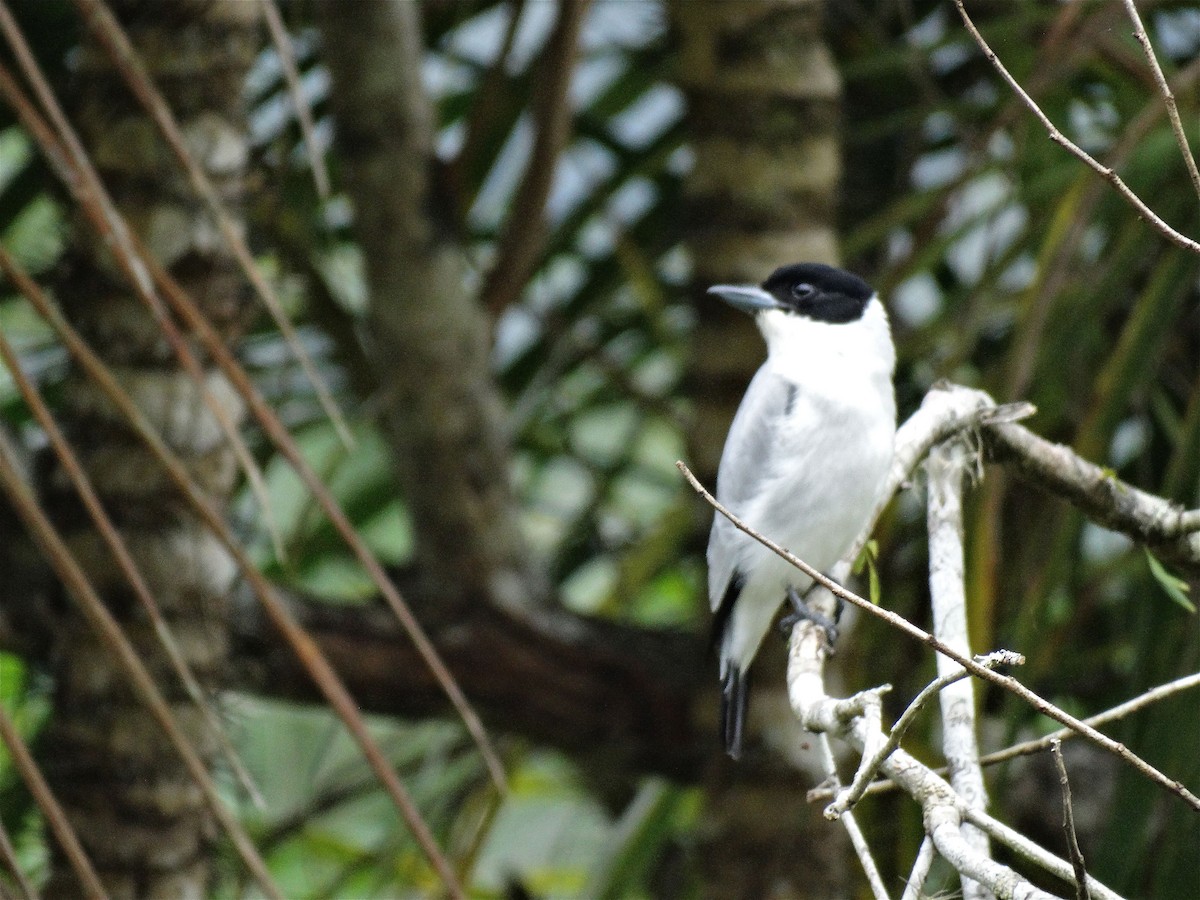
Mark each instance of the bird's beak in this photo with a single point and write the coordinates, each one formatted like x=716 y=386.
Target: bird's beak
x=746 y=297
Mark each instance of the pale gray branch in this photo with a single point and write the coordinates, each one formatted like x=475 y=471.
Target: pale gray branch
x=920 y=870
x=1039 y=703
x=947 y=468
x=857 y=839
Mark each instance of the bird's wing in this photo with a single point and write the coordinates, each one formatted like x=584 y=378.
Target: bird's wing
x=746 y=457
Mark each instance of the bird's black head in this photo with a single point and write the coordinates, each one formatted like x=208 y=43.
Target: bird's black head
x=819 y=292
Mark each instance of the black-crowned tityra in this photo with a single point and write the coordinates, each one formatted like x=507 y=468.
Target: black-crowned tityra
x=805 y=459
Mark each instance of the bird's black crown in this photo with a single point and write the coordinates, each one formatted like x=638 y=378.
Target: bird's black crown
x=820 y=292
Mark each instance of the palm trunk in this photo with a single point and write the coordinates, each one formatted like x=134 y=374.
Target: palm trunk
x=764 y=99
x=141 y=818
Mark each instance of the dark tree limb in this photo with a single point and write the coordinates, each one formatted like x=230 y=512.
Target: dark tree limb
x=625 y=694
x=429 y=335
x=524 y=232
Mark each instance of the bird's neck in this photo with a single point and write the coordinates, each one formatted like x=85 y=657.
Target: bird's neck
x=812 y=352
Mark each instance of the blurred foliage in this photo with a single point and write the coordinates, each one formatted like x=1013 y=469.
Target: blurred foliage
x=1006 y=265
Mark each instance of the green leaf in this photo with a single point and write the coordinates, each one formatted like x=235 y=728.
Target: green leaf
x=1175 y=587
x=867 y=560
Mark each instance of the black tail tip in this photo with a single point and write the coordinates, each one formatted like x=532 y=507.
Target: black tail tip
x=734 y=696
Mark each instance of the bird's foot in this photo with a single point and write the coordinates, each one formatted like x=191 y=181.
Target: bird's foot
x=801 y=612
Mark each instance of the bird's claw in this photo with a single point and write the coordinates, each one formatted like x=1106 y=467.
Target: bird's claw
x=801 y=612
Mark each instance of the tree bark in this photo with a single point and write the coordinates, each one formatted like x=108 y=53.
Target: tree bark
x=141 y=818
x=623 y=700
x=430 y=335
x=763 y=106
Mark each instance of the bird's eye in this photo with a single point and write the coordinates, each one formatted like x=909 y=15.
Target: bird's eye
x=803 y=290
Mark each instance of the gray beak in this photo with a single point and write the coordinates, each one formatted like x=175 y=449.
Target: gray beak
x=746 y=297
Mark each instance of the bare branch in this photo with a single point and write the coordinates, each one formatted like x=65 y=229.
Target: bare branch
x=944 y=811
x=1155 y=221
x=947 y=467
x=1097 y=493
x=1028 y=748
x=524 y=232
x=1139 y=31
x=920 y=870
x=1040 y=704
x=1141 y=701
x=291 y=75
x=845 y=799
x=1076 y=855
x=857 y=839
x=43 y=796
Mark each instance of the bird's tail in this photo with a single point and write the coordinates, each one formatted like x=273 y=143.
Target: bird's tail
x=734 y=697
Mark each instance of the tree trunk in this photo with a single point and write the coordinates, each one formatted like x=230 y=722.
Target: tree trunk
x=430 y=334
x=764 y=99
x=142 y=820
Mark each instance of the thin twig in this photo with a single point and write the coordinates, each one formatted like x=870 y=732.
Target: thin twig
x=291 y=77
x=1141 y=701
x=1029 y=748
x=943 y=811
x=846 y=799
x=1040 y=704
x=1073 y=851
x=1155 y=221
x=857 y=839
x=8 y=856
x=1139 y=31
x=1022 y=846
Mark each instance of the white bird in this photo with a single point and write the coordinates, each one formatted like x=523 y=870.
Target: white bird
x=805 y=459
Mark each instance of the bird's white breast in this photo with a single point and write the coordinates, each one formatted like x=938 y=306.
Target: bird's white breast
x=829 y=456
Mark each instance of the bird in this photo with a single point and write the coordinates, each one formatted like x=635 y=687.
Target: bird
x=805 y=460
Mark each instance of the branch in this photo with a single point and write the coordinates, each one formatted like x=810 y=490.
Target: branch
x=947 y=467
x=1155 y=221
x=857 y=839
x=944 y=811
x=1010 y=684
x=1139 y=31
x=920 y=870
x=1081 y=889
x=1028 y=748
x=1170 y=530
x=524 y=232
x=845 y=799
x=542 y=674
